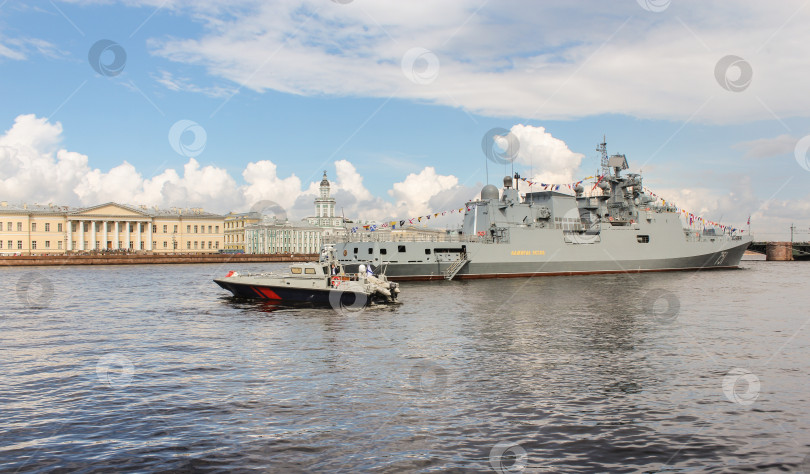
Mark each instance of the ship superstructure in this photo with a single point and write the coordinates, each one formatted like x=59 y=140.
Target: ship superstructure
x=616 y=228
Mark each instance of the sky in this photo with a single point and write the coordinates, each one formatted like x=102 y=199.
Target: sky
x=226 y=105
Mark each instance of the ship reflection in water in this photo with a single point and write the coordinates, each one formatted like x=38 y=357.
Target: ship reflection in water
x=152 y=368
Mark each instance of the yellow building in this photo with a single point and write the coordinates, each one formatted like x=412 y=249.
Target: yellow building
x=38 y=230
x=235 y=224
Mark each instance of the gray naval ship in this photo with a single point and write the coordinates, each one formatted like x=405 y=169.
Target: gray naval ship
x=617 y=229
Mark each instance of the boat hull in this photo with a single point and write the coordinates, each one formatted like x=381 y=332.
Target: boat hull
x=288 y=294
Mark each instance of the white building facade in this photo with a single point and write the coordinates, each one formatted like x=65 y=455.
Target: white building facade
x=282 y=237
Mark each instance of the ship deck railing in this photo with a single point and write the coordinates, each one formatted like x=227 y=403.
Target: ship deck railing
x=386 y=237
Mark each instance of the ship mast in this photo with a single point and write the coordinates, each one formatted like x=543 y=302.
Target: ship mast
x=602 y=148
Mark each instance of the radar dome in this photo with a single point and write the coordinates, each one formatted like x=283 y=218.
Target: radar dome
x=489 y=192
x=507 y=182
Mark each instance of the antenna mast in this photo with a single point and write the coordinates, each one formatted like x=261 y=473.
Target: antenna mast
x=602 y=148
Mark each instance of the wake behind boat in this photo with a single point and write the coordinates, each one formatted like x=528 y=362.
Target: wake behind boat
x=321 y=283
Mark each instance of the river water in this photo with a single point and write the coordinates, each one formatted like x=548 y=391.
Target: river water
x=155 y=368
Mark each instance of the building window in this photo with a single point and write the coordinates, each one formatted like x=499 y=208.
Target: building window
x=216 y=245
x=33 y=245
x=195 y=230
x=47 y=227
x=19 y=227
x=141 y=245
x=1 y=244
x=209 y=229
x=59 y=245
x=165 y=244
x=174 y=245
x=188 y=245
x=33 y=227
x=47 y=244
x=175 y=229
x=215 y=228
x=19 y=244
x=188 y=229
x=154 y=229
x=195 y=245
x=165 y=229
x=9 y=226
x=59 y=227
x=209 y=244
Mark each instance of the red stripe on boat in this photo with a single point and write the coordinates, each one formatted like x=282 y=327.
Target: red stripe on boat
x=266 y=292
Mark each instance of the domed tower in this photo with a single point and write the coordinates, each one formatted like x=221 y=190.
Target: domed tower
x=325 y=205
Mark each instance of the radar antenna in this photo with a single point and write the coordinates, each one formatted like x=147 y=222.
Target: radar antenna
x=602 y=148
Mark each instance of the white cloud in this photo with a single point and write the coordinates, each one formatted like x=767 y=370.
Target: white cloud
x=547 y=61
x=549 y=157
x=184 y=84
x=33 y=168
x=768 y=147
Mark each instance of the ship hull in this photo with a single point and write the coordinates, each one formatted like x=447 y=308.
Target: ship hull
x=526 y=256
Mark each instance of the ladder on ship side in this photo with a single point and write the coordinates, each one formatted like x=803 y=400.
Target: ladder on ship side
x=453 y=269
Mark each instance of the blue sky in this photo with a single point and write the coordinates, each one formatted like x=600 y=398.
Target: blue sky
x=298 y=87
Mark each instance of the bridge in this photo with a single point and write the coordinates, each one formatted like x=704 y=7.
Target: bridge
x=781 y=251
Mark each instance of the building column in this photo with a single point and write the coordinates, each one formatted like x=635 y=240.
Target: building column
x=126 y=232
x=69 y=245
x=117 y=235
x=81 y=235
x=138 y=230
x=93 y=230
x=149 y=242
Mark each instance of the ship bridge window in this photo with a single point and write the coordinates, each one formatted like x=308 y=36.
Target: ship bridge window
x=309 y=271
x=296 y=270
x=383 y=251
x=370 y=250
x=401 y=248
x=427 y=251
x=355 y=250
x=643 y=239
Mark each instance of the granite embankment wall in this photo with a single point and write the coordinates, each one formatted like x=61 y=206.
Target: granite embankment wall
x=28 y=260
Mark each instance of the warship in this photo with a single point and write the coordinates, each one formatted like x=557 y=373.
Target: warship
x=616 y=228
